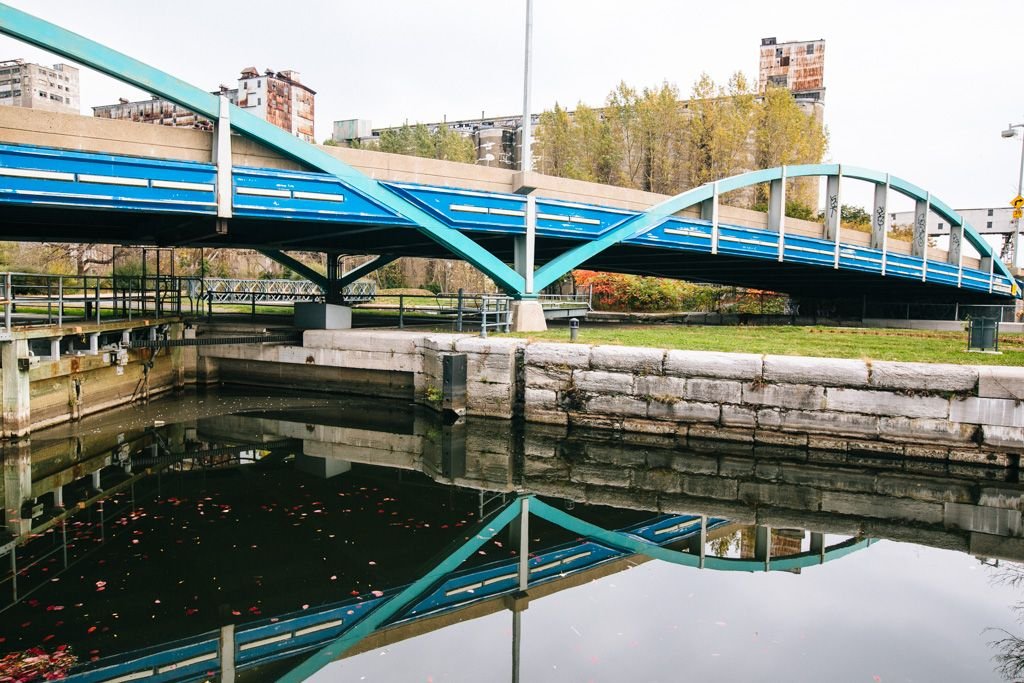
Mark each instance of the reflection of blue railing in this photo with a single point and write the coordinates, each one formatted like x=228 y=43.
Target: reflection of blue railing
x=335 y=628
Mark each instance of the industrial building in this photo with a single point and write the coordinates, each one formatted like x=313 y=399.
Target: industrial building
x=279 y=97
x=798 y=66
x=34 y=86
x=996 y=224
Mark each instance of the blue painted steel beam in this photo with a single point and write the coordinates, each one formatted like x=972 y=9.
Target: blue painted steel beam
x=60 y=41
x=293 y=264
x=368 y=267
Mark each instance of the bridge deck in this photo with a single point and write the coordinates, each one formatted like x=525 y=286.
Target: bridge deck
x=286 y=208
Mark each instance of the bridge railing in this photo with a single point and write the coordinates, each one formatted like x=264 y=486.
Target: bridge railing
x=45 y=299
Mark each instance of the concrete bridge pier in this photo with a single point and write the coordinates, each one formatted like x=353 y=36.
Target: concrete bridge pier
x=17 y=485
x=14 y=361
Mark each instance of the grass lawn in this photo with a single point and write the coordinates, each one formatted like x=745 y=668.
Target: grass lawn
x=830 y=342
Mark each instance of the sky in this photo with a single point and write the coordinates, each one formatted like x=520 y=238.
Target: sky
x=918 y=89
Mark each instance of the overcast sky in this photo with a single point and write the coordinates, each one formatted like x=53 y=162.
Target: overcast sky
x=918 y=89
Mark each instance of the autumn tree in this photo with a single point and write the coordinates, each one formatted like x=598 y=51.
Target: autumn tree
x=785 y=135
x=420 y=141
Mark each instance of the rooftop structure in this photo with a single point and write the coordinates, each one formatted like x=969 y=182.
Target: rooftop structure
x=34 y=86
x=275 y=96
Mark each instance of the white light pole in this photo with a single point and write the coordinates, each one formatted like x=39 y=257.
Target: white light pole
x=526 y=155
x=1011 y=131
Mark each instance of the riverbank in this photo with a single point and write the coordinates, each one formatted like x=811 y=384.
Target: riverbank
x=939 y=412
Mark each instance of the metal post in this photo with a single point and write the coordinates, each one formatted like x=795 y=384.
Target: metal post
x=483 y=317
x=9 y=296
x=97 y=290
x=142 y=304
x=401 y=311
x=526 y=155
x=458 y=319
x=524 y=543
x=60 y=300
x=226 y=650
x=703 y=539
x=49 y=301
x=254 y=303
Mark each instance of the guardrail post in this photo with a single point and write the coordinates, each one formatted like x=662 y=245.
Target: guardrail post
x=458 y=318
x=483 y=317
x=9 y=296
x=226 y=653
x=97 y=289
x=253 y=295
x=401 y=311
x=60 y=300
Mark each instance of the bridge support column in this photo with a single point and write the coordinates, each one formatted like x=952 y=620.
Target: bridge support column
x=919 y=246
x=879 y=221
x=833 y=212
x=14 y=364
x=777 y=210
x=55 y=349
x=527 y=313
x=17 y=464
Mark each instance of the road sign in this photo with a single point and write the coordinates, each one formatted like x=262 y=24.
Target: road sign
x=1018 y=214
x=1017 y=202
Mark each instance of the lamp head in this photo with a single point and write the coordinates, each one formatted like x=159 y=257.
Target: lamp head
x=1009 y=133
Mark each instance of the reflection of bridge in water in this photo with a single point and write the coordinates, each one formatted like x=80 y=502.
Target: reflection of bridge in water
x=696 y=495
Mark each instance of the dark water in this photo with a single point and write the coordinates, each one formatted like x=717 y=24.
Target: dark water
x=198 y=511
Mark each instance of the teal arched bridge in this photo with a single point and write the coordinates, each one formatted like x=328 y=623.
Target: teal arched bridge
x=523 y=241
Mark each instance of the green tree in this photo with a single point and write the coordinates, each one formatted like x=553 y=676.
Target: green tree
x=719 y=127
x=785 y=135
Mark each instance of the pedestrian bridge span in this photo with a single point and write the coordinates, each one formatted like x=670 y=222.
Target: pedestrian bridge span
x=79 y=179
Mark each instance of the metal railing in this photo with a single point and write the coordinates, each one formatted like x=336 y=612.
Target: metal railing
x=244 y=291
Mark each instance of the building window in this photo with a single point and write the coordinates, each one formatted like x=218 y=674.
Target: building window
x=988 y=224
x=784 y=61
x=990 y=212
x=778 y=52
x=259 y=83
x=259 y=101
x=941 y=226
x=810 y=49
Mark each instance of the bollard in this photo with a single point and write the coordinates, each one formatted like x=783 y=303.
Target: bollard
x=574 y=329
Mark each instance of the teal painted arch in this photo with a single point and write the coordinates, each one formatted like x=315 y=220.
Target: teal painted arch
x=40 y=33
x=660 y=212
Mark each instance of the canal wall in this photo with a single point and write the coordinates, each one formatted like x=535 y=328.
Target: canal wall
x=960 y=413
x=83 y=372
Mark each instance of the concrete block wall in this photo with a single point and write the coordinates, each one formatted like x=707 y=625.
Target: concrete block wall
x=959 y=411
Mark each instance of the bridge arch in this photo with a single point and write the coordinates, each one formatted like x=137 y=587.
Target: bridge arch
x=710 y=192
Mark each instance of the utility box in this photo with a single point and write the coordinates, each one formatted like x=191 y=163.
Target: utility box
x=983 y=334
x=453 y=383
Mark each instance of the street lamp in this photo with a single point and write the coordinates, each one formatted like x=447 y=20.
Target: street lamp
x=1010 y=132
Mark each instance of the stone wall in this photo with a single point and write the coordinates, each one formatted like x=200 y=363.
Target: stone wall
x=922 y=410
x=961 y=413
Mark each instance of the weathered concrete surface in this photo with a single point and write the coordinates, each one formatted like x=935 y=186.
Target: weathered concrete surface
x=917 y=410
x=42 y=391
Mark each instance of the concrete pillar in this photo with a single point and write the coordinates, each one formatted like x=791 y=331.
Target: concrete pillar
x=55 y=349
x=528 y=316
x=314 y=315
x=94 y=344
x=956 y=242
x=919 y=246
x=17 y=464
x=17 y=417
x=226 y=652
x=777 y=210
x=126 y=337
x=762 y=543
x=222 y=158
x=833 y=207
x=709 y=212
x=880 y=216
x=96 y=483
x=152 y=333
x=58 y=496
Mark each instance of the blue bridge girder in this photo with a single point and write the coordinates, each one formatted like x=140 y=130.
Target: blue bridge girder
x=284 y=209
x=335 y=208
